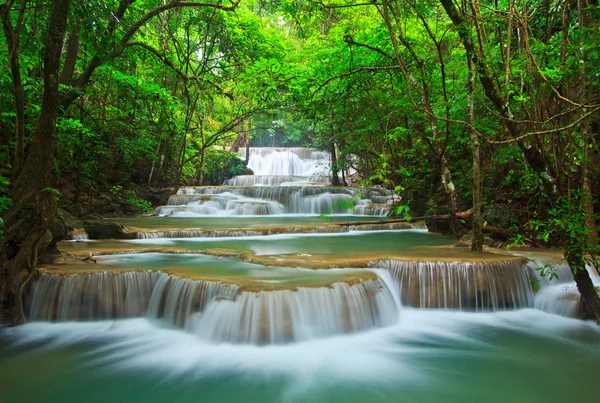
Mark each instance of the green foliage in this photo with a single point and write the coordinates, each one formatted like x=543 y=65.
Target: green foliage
x=130 y=197
x=142 y=204
x=5 y=201
x=221 y=165
x=403 y=211
x=341 y=206
x=517 y=240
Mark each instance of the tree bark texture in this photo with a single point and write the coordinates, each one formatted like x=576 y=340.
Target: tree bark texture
x=12 y=42
x=29 y=222
x=477 y=238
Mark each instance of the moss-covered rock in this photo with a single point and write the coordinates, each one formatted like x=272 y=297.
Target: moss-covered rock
x=106 y=230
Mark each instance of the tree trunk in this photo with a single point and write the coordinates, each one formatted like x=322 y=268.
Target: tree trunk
x=477 y=238
x=335 y=179
x=422 y=89
x=586 y=196
x=589 y=295
x=201 y=168
x=34 y=203
x=532 y=155
x=12 y=43
x=589 y=92
x=66 y=76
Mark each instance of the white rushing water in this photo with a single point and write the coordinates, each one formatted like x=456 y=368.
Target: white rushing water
x=422 y=350
x=271 y=317
x=286 y=181
x=217 y=311
x=275 y=200
x=294 y=161
x=462 y=285
x=556 y=295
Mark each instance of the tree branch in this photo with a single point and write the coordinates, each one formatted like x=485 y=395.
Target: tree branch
x=349 y=73
x=332 y=5
x=100 y=57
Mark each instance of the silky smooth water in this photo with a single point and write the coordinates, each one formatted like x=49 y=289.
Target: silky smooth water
x=351 y=244
x=429 y=356
x=183 y=327
x=228 y=269
x=157 y=223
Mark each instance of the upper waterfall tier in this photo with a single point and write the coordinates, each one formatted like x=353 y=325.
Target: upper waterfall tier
x=277 y=180
x=286 y=181
x=295 y=161
x=272 y=200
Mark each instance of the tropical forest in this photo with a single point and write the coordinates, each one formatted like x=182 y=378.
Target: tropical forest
x=299 y=201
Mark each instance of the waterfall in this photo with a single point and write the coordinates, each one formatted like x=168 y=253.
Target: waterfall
x=175 y=298
x=214 y=310
x=270 y=200
x=243 y=232
x=491 y=285
x=91 y=296
x=222 y=312
x=561 y=299
x=268 y=317
x=288 y=161
x=277 y=180
x=557 y=295
x=286 y=181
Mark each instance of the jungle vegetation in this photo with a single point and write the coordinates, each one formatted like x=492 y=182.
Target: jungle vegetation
x=491 y=107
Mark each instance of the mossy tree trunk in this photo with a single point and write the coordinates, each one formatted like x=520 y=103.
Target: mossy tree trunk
x=29 y=222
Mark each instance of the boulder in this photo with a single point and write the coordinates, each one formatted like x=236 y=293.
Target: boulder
x=465 y=241
x=106 y=230
x=439 y=225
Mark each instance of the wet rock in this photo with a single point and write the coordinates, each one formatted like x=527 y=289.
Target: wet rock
x=465 y=241
x=498 y=215
x=71 y=221
x=106 y=230
x=158 y=197
x=439 y=225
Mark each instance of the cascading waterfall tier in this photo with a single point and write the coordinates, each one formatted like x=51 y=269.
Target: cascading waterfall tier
x=271 y=200
x=277 y=180
x=91 y=296
x=283 y=316
x=557 y=295
x=294 y=161
x=490 y=285
x=214 y=310
x=234 y=233
x=286 y=181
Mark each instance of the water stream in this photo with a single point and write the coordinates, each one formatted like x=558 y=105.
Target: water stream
x=242 y=292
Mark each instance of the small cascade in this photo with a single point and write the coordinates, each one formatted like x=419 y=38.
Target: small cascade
x=286 y=181
x=175 y=298
x=79 y=236
x=320 y=203
x=244 y=232
x=561 y=299
x=277 y=180
x=110 y=295
x=216 y=311
x=557 y=295
x=272 y=317
x=474 y=286
x=295 y=161
x=272 y=200
x=91 y=296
